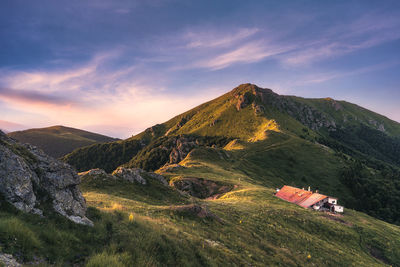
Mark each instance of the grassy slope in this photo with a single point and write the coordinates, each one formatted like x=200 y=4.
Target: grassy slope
x=254 y=227
x=257 y=228
x=58 y=141
x=214 y=118
x=219 y=117
x=351 y=114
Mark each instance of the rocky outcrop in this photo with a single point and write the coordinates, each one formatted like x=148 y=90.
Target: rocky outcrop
x=8 y=261
x=183 y=146
x=158 y=177
x=29 y=178
x=95 y=173
x=335 y=104
x=247 y=94
x=132 y=175
x=242 y=98
x=155 y=130
x=258 y=109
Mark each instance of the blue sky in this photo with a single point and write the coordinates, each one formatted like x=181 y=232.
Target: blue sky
x=118 y=67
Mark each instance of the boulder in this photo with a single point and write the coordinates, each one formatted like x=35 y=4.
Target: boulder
x=96 y=173
x=29 y=177
x=130 y=174
x=8 y=260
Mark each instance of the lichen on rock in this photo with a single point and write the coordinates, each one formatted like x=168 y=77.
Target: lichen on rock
x=29 y=177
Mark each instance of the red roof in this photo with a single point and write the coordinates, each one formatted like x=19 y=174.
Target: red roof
x=299 y=196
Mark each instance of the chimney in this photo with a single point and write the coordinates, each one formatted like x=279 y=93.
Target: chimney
x=316 y=191
x=309 y=188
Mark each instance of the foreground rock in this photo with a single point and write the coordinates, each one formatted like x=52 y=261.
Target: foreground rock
x=30 y=178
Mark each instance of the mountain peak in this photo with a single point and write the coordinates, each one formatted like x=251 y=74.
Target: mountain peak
x=249 y=87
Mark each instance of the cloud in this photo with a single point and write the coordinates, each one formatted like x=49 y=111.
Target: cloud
x=319 y=77
x=96 y=95
x=217 y=49
x=53 y=80
x=33 y=97
x=338 y=40
x=213 y=39
x=247 y=53
x=7 y=126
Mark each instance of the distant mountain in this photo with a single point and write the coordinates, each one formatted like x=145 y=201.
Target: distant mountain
x=7 y=126
x=334 y=146
x=58 y=141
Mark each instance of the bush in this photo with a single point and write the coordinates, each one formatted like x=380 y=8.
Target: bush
x=109 y=259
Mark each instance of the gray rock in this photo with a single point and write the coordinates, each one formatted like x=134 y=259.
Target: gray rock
x=133 y=175
x=158 y=177
x=29 y=177
x=16 y=180
x=96 y=173
x=8 y=260
x=183 y=146
x=130 y=174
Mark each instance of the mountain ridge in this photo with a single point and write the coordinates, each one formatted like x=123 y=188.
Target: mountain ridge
x=59 y=140
x=253 y=115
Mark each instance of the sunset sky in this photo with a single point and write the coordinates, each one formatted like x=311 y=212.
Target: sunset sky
x=118 y=67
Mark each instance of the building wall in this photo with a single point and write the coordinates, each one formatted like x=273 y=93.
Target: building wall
x=332 y=200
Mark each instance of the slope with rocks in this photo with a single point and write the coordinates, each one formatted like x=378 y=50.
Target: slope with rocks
x=58 y=141
x=222 y=161
x=285 y=139
x=247 y=113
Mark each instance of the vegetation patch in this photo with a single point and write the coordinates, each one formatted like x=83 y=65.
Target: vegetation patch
x=195 y=210
x=200 y=188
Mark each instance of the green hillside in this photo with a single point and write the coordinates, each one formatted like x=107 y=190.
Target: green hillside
x=58 y=141
x=330 y=145
x=245 y=226
x=223 y=161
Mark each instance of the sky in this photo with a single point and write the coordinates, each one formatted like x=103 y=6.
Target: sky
x=118 y=67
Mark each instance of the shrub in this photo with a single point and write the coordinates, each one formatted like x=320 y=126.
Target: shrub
x=109 y=259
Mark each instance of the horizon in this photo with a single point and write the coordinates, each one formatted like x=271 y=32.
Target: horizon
x=19 y=127
x=119 y=68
